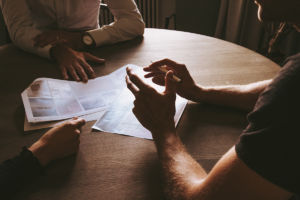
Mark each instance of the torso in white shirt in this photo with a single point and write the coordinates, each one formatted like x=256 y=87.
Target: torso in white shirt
x=65 y=14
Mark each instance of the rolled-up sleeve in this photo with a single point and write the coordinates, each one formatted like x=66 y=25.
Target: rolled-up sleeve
x=21 y=27
x=128 y=23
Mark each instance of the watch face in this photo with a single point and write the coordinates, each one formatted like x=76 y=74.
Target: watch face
x=87 y=40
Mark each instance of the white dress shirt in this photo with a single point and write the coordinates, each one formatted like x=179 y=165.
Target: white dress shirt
x=25 y=19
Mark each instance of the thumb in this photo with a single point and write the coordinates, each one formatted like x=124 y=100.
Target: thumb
x=170 y=83
x=79 y=122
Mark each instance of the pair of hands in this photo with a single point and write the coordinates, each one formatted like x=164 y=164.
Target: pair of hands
x=66 y=51
x=155 y=110
x=58 y=142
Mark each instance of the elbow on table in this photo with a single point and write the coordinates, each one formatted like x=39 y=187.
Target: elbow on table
x=28 y=46
x=138 y=27
x=16 y=37
x=16 y=41
x=133 y=24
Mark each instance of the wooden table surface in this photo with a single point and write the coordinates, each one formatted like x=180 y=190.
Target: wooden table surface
x=111 y=166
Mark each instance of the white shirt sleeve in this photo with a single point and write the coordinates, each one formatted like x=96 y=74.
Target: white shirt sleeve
x=128 y=23
x=21 y=27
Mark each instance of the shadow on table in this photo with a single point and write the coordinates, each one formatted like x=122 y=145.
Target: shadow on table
x=212 y=131
x=19 y=116
x=154 y=181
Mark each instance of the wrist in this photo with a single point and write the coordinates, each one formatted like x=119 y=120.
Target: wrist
x=197 y=93
x=167 y=144
x=163 y=137
x=87 y=40
x=40 y=153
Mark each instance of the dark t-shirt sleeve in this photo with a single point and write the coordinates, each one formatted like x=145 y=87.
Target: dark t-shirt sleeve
x=270 y=145
x=16 y=172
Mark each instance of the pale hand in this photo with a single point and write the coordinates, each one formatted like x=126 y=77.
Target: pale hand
x=58 y=142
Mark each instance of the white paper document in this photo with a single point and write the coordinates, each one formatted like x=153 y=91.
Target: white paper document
x=120 y=119
x=35 y=126
x=51 y=99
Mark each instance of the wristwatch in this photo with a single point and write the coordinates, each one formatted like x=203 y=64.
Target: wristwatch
x=87 y=40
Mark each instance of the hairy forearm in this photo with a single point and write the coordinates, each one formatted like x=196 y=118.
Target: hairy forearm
x=182 y=174
x=236 y=96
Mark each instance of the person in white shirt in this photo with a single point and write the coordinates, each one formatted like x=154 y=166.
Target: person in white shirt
x=62 y=29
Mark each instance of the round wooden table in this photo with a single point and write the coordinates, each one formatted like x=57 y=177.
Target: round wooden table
x=111 y=166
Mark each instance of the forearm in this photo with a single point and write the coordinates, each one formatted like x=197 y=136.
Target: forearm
x=122 y=30
x=24 y=40
x=236 y=96
x=128 y=24
x=182 y=174
x=21 y=26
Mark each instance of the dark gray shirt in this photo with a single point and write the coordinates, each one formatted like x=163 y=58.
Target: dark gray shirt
x=16 y=172
x=270 y=144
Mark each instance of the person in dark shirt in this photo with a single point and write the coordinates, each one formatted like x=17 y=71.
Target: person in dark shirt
x=264 y=162
x=58 y=142
x=269 y=144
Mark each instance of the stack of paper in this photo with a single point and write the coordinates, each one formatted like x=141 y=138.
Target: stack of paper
x=105 y=98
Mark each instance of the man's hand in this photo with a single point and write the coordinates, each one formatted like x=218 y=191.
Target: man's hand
x=154 y=110
x=53 y=37
x=74 y=62
x=186 y=88
x=58 y=142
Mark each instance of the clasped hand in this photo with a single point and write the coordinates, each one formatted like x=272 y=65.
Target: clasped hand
x=65 y=52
